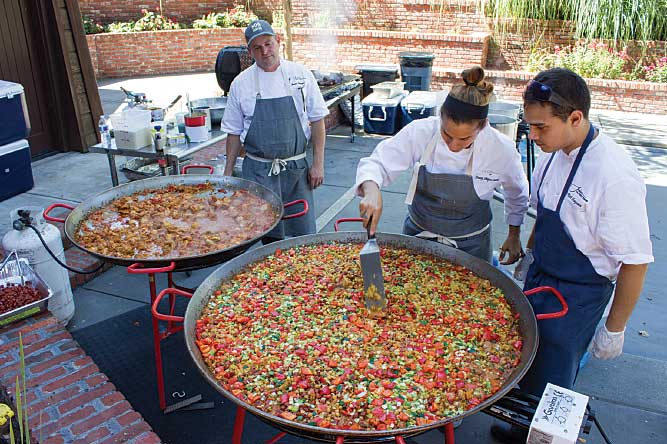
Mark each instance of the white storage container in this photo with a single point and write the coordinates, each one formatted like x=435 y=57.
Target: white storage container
x=132 y=128
x=388 y=90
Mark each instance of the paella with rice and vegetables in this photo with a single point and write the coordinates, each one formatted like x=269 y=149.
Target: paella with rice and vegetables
x=175 y=221
x=290 y=335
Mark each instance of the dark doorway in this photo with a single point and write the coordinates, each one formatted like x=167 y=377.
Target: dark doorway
x=23 y=60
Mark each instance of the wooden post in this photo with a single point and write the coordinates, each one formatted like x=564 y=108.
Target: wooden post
x=287 y=16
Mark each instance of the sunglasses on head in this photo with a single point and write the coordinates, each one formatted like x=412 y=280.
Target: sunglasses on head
x=544 y=93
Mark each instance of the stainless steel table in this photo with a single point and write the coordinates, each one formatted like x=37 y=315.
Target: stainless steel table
x=173 y=154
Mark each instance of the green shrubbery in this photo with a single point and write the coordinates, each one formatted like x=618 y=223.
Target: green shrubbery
x=594 y=60
x=237 y=17
x=656 y=72
x=150 y=21
x=597 y=60
x=153 y=21
x=617 y=20
x=91 y=27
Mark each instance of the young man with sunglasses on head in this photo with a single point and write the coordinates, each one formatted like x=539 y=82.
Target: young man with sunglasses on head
x=591 y=234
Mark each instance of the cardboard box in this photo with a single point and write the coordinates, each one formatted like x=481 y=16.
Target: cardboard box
x=558 y=417
x=132 y=139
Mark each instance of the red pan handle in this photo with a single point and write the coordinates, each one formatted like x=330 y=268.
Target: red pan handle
x=163 y=293
x=185 y=169
x=138 y=268
x=556 y=293
x=347 y=219
x=294 y=202
x=51 y=207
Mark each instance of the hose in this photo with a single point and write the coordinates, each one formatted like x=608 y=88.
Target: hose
x=74 y=270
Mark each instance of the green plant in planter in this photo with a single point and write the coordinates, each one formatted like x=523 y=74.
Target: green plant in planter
x=92 y=27
x=21 y=410
x=150 y=21
x=241 y=18
x=236 y=17
x=656 y=72
x=589 y=59
x=209 y=21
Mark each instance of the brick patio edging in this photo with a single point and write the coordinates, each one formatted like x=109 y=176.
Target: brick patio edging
x=69 y=399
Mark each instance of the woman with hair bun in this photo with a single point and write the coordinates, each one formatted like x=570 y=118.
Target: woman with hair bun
x=457 y=160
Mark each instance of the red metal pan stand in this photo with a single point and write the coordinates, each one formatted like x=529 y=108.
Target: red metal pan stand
x=174 y=323
x=448 y=430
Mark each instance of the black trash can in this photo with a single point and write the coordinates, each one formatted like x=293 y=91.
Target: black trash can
x=374 y=74
x=416 y=70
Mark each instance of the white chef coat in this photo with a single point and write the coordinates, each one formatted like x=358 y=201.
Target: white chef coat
x=604 y=211
x=243 y=93
x=495 y=162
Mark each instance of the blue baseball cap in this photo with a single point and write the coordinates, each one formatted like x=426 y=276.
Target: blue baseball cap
x=257 y=28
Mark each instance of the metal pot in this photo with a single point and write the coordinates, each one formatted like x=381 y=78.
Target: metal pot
x=79 y=213
x=216 y=106
x=513 y=294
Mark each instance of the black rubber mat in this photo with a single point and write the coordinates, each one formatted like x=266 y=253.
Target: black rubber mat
x=122 y=347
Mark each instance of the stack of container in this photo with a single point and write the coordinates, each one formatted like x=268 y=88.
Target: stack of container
x=15 y=168
x=381 y=108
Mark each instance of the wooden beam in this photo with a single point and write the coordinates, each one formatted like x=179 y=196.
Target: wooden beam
x=87 y=72
x=287 y=16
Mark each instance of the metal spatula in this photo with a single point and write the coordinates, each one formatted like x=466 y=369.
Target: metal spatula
x=371 y=269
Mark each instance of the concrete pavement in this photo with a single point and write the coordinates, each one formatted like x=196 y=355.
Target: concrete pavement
x=628 y=392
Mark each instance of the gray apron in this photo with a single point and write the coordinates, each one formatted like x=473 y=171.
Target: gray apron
x=445 y=208
x=276 y=156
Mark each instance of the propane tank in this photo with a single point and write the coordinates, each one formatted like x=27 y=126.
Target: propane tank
x=26 y=243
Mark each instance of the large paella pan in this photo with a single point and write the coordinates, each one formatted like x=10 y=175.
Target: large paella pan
x=190 y=220
x=206 y=301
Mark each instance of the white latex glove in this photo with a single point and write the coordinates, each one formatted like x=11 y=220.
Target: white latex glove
x=607 y=344
x=521 y=269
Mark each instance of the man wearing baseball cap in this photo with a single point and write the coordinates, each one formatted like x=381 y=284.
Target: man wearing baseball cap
x=273 y=109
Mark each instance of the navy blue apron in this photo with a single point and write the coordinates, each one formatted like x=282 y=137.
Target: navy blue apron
x=559 y=264
x=445 y=208
x=276 y=156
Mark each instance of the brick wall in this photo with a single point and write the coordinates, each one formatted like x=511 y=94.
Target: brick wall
x=619 y=95
x=331 y=48
x=159 y=52
x=509 y=48
x=69 y=399
x=190 y=50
